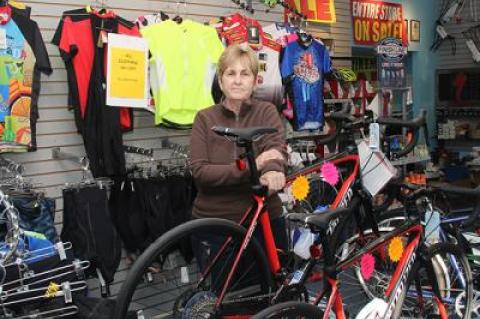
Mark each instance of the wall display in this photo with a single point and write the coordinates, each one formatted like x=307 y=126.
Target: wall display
x=391 y=66
x=414 y=30
x=316 y=10
x=374 y=20
x=127 y=68
x=458 y=88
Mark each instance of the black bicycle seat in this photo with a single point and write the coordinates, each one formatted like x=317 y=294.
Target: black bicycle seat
x=245 y=134
x=323 y=219
x=320 y=220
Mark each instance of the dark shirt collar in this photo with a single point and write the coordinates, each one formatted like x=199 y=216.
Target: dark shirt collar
x=244 y=108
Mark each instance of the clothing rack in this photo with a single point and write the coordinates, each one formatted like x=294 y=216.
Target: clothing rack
x=11 y=166
x=138 y=150
x=247 y=5
x=178 y=149
x=60 y=155
x=291 y=9
x=13 y=228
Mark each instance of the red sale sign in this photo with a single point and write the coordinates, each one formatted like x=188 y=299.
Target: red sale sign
x=315 y=10
x=375 y=20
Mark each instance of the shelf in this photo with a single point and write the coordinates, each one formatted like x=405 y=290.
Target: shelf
x=458 y=112
x=336 y=101
x=305 y=135
x=410 y=160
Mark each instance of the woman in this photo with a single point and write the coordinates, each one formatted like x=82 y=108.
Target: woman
x=223 y=190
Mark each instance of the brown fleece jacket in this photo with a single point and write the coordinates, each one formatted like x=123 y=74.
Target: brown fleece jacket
x=223 y=190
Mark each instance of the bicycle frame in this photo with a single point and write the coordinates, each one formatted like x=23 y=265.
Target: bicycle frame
x=399 y=278
x=258 y=213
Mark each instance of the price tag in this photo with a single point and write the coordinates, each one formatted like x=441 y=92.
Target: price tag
x=61 y=250
x=441 y=31
x=253 y=35
x=67 y=292
x=184 y=275
x=432 y=227
x=374 y=136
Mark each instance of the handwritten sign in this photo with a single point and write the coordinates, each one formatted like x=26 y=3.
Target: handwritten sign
x=127 y=67
x=376 y=20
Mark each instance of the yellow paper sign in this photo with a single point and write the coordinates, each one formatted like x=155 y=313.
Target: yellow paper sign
x=127 y=66
x=127 y=73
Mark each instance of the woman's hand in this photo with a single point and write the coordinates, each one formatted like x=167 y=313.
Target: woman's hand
x=275 y=181
x=266 y=156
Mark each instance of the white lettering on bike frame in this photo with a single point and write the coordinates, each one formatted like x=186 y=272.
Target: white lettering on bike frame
x=343 y=203
x=400 y=285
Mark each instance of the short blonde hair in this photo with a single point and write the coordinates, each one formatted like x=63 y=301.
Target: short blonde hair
x=237 y=52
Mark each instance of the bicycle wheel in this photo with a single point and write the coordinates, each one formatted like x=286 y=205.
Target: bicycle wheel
x=369 y=277
x=290 y=310
x=182 y=287
x=451 y=271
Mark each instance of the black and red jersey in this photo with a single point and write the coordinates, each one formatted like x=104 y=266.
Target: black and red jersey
x=81 y=37
x=77 y=36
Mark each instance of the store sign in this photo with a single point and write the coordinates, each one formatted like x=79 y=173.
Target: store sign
x=315 y=10
x=376 y=20
x=127 y=66
x=391 y=66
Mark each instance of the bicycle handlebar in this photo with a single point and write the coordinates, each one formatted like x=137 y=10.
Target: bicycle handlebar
x=422 y=190
x=416 y=124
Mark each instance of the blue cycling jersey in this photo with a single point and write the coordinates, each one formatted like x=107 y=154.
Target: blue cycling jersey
x=307 y=66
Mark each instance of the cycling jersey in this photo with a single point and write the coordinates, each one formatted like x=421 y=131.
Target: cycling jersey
x=269 y=86
x=80 y=38
x=22 y=57
x=182 y=67
x=303 y=68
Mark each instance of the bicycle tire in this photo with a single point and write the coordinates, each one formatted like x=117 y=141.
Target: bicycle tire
x=357 y=287
x=290 y=310
x=163 y=243
x=420 y=272
x=390 y=220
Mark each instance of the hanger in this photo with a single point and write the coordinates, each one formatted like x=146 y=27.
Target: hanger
x=304 y=38
x=245 y=6
x=178 y=19
x=102 y=7
x=28 y=278
x=55 y=313
x=64 y=289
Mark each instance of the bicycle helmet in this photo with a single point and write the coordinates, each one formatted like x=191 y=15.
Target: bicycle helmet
x=346 y=74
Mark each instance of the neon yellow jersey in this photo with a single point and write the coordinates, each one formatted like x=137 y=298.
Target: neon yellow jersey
x=182 y=68
x=18 y=5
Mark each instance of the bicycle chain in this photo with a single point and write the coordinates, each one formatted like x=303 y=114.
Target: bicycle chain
x=233 y=301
